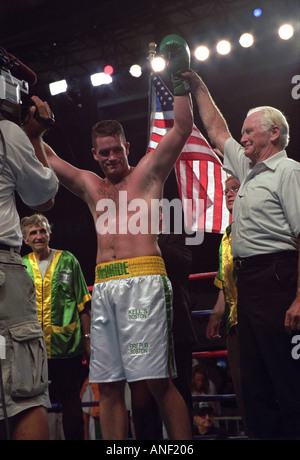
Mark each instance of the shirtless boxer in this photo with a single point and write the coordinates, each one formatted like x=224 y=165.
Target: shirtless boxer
x=138 y=350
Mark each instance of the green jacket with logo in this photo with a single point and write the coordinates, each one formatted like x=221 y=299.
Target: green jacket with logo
x=60 y=297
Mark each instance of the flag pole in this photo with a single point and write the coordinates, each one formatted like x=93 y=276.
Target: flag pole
x=151 y=56
x=152 y=50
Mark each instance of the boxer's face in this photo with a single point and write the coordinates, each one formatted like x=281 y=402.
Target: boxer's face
x=112 y=156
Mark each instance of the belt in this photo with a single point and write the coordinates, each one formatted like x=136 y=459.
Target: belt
x=5 y=247
x=242 y=263
x=127 y=268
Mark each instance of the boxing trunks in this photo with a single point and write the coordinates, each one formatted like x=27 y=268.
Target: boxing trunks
x=131 y=336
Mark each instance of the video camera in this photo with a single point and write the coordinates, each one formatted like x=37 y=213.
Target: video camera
x=15 y=78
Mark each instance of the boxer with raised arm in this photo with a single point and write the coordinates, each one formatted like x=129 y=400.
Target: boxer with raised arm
x=131 y=306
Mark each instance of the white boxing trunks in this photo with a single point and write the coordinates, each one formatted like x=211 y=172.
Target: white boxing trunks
x=131 y=337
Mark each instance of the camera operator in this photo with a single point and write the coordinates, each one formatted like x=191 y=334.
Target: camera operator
x=24 y=381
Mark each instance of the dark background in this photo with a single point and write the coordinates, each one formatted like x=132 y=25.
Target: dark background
x=73 y=39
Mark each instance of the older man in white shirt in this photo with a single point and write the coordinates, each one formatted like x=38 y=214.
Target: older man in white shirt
x=265 y=246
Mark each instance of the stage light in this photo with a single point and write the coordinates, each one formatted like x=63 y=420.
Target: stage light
x=201 y=53
x=58 y=87
x=108 y=69
x=158 y=64
x=223 y=47
x=286 y=31
x=100 y=78
x=257 y=12
x=246 y=40
x=135 y=70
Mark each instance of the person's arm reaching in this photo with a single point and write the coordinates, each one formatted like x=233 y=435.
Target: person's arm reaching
x=171 y=145
x=72 y=178
x=211 y=116
x=176 y=51
x=68 y=175
x=35 y=127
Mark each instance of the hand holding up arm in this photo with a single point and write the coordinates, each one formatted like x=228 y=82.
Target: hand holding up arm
x=211 y=116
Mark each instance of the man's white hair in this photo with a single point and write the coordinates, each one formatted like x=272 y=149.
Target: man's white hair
x=270 y=117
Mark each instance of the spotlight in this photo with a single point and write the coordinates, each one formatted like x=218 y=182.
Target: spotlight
x=201 y=53
x=223 y=47
x=100 y=78
x=58 y=87
x=246 y=40
x=158 y=64
x=286 y=31
x=108 y=70
x=257 y=12
x=135 y=70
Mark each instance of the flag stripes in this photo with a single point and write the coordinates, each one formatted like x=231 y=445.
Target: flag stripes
x=198 y=170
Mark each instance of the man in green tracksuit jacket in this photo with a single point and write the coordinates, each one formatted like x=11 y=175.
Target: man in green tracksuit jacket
x=62 y=296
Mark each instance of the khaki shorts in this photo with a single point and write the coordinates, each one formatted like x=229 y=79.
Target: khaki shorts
x=131 y=336
x=23 y=353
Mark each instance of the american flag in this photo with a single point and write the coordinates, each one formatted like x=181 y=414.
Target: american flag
x=198 y=170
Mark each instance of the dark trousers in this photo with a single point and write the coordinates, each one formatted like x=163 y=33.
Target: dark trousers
x=65 y=380
x=270 y=374
x=184 y=364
